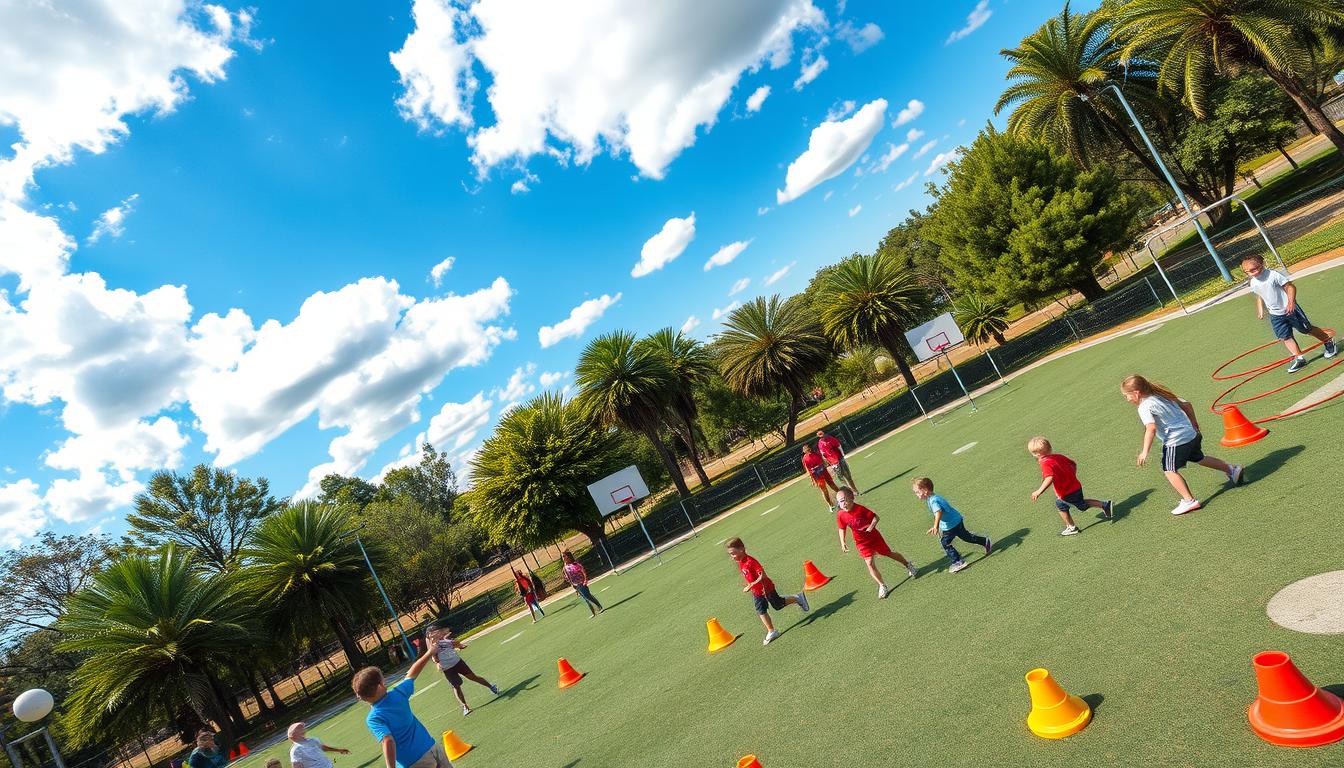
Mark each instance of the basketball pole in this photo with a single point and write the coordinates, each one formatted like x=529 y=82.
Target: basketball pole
x=644 y=528
x=957 y=376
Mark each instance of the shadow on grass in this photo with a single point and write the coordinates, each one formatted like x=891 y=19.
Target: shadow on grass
x=1094 y=701
x=1010 y=540
x=627 y=598
x=1265 y=465
x=827 y=610
x=896 y=476
x=1122 y=508
x=571 y=763
x=508 y=693
x=1337 y=689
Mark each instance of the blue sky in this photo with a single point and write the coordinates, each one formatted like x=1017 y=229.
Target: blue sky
x=219 y=225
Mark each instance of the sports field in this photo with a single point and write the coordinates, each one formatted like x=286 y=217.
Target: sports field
x=1152 y=618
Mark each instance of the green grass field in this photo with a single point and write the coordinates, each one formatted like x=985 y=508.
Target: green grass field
x=1152 y=618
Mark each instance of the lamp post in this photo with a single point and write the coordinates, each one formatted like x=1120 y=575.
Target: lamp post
x=410 y=652
x=1152 y=150
x=31 y=706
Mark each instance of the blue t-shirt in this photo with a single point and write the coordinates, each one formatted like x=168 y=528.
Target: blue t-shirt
x=951 y=517
x=391 y=716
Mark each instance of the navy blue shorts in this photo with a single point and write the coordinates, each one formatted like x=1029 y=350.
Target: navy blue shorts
x=770 y=599
x=1176 y=456
x=1075 y=498
x=1284 y=325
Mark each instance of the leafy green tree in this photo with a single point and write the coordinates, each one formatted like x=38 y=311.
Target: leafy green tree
x=36 y=579
x=155 y=628
x=853 y=371
x=872 y=300
x=210 y=510
x=1197 y=42
x=728 y=417
x=303 y=561
x=908 y=243
x=431 y=484
x=530 y=477
x=691 y=366
x=981 y=320
x=430 y=555
x=770 y=347
x=341 y=490
x=1019 y=220
x=628 y=385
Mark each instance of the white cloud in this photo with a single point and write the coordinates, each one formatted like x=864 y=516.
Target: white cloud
x=112 y=222
x=810 y=71
x=840 y=110
x=439 y=270
x=912 y=110
x=519 y=385
x=691 y=324
x=907 y=182
x=757 y=98
x=591 y=76
x=664 y=247
x=913 y=135
x=859 y=39
x=764 y=209
x=578 y=321
x=941 y=159
x=827 y=196
x=974 y=20
x=831 y=149
x=21 y=512
x=727 y=253
x=31 y=246
x=520 y=187
x=779 y=274
x=549 y=379
x=924 y=149
x=723 y=312
x=126 y=448
x=450 y=430
x=88 y=496
x=855 y=211
x=961 y=122
x=739 y=286
x=884 y=162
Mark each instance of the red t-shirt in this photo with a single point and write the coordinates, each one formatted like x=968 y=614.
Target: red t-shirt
x=830 y=449
x=857 y=519
x=752 y=570
x=813 y=464
x=1063 y=470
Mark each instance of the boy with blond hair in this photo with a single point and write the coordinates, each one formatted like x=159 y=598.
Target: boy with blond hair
x=1061 y=472
x=1276 y=294
x=405 y=741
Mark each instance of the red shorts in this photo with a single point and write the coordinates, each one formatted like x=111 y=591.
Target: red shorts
x=873 y=546
x=824 y=481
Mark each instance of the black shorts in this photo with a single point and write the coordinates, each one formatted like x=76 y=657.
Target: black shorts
x=770 y=599
x=455 y=673
x=1075 y=498
x=1176 y=456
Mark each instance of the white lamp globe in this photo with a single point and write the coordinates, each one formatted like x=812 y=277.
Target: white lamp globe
x=31 y=706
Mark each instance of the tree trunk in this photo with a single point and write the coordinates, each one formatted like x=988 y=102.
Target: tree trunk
x=893 y=346
x=226 y=707
x=263 y=709
x=795 y=405
x=597 y=536
x=354 y=655
x=1316 y=116
x=276 y=700
x=669 y=462
x=687 y=432
x=1090 y=288
x=1282 y=151
x=1192 y=193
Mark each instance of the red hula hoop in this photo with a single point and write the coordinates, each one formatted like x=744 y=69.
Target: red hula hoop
x=1251 y=374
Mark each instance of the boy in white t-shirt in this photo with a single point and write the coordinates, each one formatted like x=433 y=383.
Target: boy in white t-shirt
x=1275 y=292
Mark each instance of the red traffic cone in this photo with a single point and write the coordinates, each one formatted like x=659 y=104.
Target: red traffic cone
x=568 y=675
x=233 y=755
x=242 y=749
x=812 y=578
x=1239 y=430
x=749 y=761
x=1290 y=711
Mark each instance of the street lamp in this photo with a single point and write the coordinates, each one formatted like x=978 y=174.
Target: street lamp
x=410 y=652
x=31 y=706
x=1208 y=244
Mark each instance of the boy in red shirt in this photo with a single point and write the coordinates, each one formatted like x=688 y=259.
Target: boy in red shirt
x=762 y=588
x=834 y=457
x=863 y=522
x=1060 y=471
x=815 y=467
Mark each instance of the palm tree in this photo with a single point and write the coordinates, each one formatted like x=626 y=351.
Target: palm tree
x=691 y=365
x=155 y=628
x=622 y=384
x=1200 y=40
x=1075 y=55
x=304 y=562
x=771 y=346
x=981 y=320
x=872 y=300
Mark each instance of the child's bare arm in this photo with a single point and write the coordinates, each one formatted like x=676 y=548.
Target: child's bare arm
x=419 y=664
x=872 y=525
x=1259 y=307
x=937 y=518
x=1046 y=483
x=844 y=546
x=1190 y=411
x=1148 y=434
x=1291 y=291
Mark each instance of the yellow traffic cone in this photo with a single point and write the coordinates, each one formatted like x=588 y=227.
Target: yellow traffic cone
x=454 y=746
x=1054 y=713
x=719 y=638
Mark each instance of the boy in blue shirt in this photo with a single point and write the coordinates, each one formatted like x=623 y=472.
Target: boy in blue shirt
x=948 y=524
x=406 y=742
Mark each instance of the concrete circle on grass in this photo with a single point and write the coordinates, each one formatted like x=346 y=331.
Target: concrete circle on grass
x=965 y=448
x=1314 y=605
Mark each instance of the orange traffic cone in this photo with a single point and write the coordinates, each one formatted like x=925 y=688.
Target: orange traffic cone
x=568 y=675
x=1290 y=711
x=1054 y=713
x=242 y=749
x=233 y=755
x=454 y=746
x=719 y=638
x=813 y=578
x=749 y=761
x=1239 y=430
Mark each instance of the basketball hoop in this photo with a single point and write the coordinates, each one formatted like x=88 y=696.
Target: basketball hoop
x=938 y=342
x=623 y=495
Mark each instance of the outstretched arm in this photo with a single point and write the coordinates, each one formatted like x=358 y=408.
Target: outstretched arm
x=1046 y=483
x=419 y=664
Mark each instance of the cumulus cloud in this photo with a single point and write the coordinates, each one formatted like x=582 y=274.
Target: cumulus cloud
x=757 y=98
x=691 y=324
x=779 y=274
x=112 y=222
x=884 y=162
x=723 y=312
x=859 y=39
x=549 y=379
x=88 y=496
x=578 y=321
x=517 y=387
x=727 y=253
x=855 y=211
x=910 y=112
x=924 y=149
x=974 y=20
x=450 y=430
x=832 y=148
x=33 y=247
x=941 y=159
x=21 y=512
x=588 y=76
x=914 y=134
x=810 y=71
x=437 y=272
x=840 y=110
x=664 y=247
x=739 y=286
x=907 y=182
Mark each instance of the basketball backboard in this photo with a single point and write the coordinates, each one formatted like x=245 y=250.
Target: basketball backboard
x=929 y=339
x=618 y=489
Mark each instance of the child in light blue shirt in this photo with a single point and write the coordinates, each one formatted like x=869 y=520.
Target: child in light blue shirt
x=948 y=524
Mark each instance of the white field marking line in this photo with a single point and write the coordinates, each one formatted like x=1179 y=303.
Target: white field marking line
x=1148 y=330
x=1330 y=388
x=720 y=541
x=604 y=589
x=966 y=447
x=426 y=688
x=514 y=636
x=768 y=511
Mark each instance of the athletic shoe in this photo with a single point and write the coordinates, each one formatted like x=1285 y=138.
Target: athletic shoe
x=771 y=635
x=494 y=689
x=1235 y=473
x=911 y=569
x=1071 y=530
x=989 y=545
x=831 y=508
x=802 y=602
x=961 y=566
x=882 y=591
x=1331 y=349
x=466 y=710
x=1298 y=364
x=1186 y=505
x=1107 y=509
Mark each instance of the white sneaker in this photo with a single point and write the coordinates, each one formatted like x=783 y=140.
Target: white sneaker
x=1298 y=364
x=1331 y=349
x=802 y=602
x=1235 y=472
x=1186 y=505
x=1071 y=530
x=958 y=567
x=466 y=710
x=911 y=569
x=882 y=591
x=771 y=635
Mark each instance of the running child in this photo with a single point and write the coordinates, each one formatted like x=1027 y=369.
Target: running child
x=452 y=665
x=948 y=524
x=834 y=456
x=863 y=522
x=1275 y=292
x=1172 y=419
x=525 y=591
x=1061 y=472
x=762 y=588
x=405 y=741
x=578 y=578
x=815 y=467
